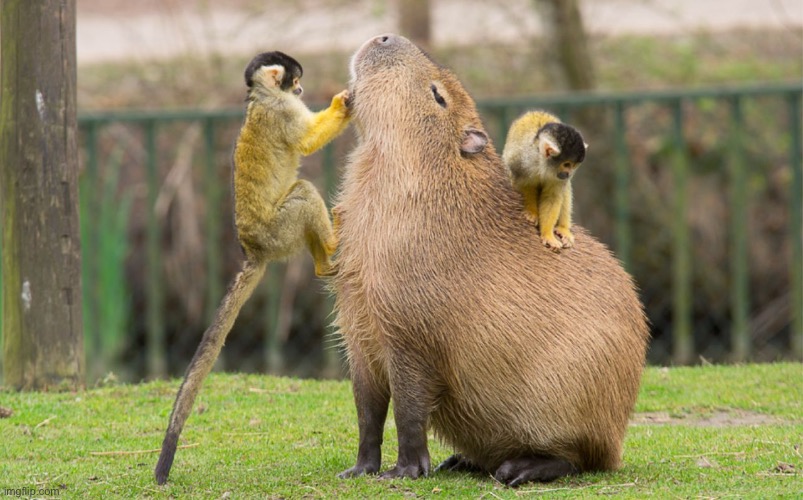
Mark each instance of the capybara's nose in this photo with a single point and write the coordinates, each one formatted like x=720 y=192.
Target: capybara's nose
x=386 y=39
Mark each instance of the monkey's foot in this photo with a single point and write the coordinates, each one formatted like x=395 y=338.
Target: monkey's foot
x=457 y=463
x=532 y=217
x=565 y=236
x=551 y=242
x=518 y=471
x=326 y=269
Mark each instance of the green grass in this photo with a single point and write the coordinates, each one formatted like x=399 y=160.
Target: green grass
x=707 y=432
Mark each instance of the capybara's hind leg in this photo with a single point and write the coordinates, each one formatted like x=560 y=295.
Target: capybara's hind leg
x=518 y=471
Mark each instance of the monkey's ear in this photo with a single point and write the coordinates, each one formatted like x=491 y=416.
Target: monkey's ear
x=275 y=72
x=547 y=146
x=585 y=144
x=474 y=140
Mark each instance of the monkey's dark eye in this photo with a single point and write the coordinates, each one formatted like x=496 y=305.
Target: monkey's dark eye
x=438 y=98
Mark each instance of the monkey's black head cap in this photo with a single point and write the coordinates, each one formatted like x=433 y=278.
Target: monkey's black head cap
x=572 y=146
x=292 y=68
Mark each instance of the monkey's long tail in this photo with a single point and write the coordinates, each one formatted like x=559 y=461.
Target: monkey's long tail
x=208 y=350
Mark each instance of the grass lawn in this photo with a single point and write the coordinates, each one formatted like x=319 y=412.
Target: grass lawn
x=715 y=431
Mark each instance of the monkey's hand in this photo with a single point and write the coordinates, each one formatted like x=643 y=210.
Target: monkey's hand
x=340 y=103
x=565 y=236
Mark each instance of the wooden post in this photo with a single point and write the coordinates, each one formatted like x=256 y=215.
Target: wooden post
x=42 y=324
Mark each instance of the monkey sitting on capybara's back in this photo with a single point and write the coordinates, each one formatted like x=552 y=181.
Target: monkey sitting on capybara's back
x=527 y=362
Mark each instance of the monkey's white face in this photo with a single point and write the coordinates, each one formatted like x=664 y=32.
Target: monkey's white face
x=271 y=77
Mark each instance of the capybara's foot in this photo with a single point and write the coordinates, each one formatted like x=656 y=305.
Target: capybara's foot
x=518 y=471
x=413 y=463
x=359 y=470
x=413 y=471
x=457 y=463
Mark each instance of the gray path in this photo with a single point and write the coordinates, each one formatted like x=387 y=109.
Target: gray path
x=160 y=29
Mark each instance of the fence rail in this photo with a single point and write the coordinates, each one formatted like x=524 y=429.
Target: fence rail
x=735 y=133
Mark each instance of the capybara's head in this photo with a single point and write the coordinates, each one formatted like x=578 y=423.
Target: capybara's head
x=391 y=76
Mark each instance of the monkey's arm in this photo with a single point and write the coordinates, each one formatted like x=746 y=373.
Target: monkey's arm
x=326 y=125
x=549 y=207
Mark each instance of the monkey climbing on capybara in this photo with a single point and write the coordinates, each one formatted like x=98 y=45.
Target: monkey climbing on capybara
x=526 y=362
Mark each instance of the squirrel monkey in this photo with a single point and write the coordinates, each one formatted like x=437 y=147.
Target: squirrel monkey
x=542 y=155
x=275 y=213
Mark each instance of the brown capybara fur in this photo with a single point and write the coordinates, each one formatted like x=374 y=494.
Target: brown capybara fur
x=526 y=362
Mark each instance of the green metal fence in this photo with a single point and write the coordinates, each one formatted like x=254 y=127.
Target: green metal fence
x=741 y=125
x=734 y=135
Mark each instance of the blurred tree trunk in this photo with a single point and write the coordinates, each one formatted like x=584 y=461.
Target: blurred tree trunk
x=414 y=21
x=43 y=333
x=566 y=36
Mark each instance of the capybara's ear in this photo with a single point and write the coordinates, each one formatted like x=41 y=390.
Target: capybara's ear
x=474 y=141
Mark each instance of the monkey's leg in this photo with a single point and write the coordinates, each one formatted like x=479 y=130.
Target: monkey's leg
x=372 y=400
x=208 y=350
x=413 y=401
x=548 y=211
x=530 y=196
x=518 y=471
x=300 y=220
x=318 y=232
x=562 y=230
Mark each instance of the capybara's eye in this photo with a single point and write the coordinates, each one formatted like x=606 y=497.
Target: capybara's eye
x=438 y=98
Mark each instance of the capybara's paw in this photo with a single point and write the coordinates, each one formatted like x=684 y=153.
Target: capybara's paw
x=359 y=470
x=413 y=471
x=457 y=463
x=518 y=471
x=413 y=462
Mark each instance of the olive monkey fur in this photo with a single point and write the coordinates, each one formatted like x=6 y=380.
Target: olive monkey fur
x=525 y=362
x=542 y=155
x=276 y=214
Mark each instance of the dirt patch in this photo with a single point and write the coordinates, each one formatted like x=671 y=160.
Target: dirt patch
x=718 y=418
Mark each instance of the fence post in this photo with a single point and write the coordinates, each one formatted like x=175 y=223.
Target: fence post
x=622 y=185
x=157 y=363
x=796 y=224
x=683 y=344
x=740 y=332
